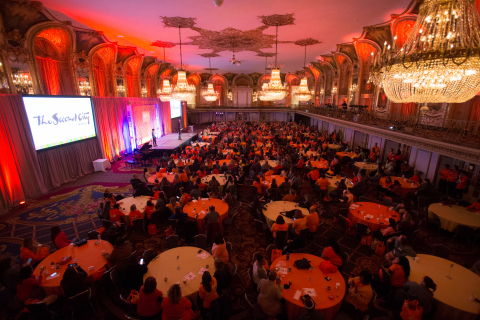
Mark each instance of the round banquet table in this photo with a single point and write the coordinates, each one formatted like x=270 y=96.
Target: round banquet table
x=332 y=186
x=300 y=280
x=165 y=266
x=201 y=207
x=152 y=178
x=406 y=186
x=274 y=208
x=343 y=154
x=214 y=133
x=226 y=151
x=209 y=138
x=320 y=164
x=87 y=255
x=201 y=144
x=374 y=209
x=221 y=178
x=271 y=163
x=451 y=217
x=310 y=153
x=140 y=202
x=452 y=297
x=334 y=146
x=267 y=182
x=367 y=166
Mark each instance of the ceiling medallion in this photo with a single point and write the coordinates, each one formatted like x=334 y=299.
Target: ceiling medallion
x=278 y=19
x=178 y=22
x=307 y=42
x=439 y=62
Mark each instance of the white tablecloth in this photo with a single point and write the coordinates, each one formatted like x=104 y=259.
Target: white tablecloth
x=275 y=207
x=101 y=165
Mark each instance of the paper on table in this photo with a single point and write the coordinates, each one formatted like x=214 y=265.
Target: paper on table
x=194 y=201
x=297 y=295
x=282 y=271
x=310 y=292
x=205 y=199
x=201 y=271
x=204 y=255
x=190 y=276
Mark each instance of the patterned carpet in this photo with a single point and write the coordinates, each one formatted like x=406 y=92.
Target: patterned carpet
x=73 y=209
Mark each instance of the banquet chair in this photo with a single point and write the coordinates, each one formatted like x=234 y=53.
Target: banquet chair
x=40 y=310
x=259 y=226
x=422 y=202
x=128 y=308
x=304 y=233
x=229 y=250
x=234 y=270
x=258 y=314
x=211 y=229
x=343 y=224
x=229 y=224
x=343 y=212
x=172 y=241
x=364 y=199
x=281 y=239
x=138 y=226
x=201 y=241
x=148 y=256
x=81 y=302
x=387 y=202
x=361 y=230
x=269 y=250
x=93 y=235
x=441 y=250
x=464 y=233
x=345 y=259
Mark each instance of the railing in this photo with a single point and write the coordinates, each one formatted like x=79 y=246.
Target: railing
x=459 y=132
x=227 y=107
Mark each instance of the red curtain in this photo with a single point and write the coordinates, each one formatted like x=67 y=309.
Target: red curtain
x=166 y=118
x=368 y=103
x=184 y=113
x=131 y=92
x=100 y=81
x=50 y=74
x=409 y=109
x=474 y=109
x=218 y=89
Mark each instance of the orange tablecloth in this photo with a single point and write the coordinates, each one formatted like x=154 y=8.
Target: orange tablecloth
x=320 y=164
x=209 y=138
x=220 y=206
x=406 y=186
x=299 y=279
x=87 y=255
x=152 y=178
x=370 y=208
x=348 y=154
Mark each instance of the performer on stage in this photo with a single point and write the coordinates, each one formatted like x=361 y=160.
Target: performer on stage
x=179 y=129
x=154 y=138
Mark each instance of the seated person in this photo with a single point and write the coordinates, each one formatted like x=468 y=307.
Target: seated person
x=312 y=220
x=29 y=285
x=120 y=252
x=291 y=196
x=179 y=215
x=116 y=215
x=332 y=252
x=270 y=295
x=223 y=276
x=59 y=238
x=382 y=234
x=175 y=306
x=258 y=270
x=279 y=225
x=300 y=222
x=74 y=281
x=134 y=214
x=399 y=272
x=360 y=292
x=400 y=248
x=212 y=215
x=423 y=291
x=207 y=292
x=149 y=299
x=29 y=251
x=219 y=248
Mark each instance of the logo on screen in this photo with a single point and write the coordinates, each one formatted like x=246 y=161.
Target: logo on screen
x=56 y=119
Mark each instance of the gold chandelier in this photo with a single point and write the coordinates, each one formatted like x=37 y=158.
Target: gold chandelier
x=274 y=90
x=166 y=93
x=182 y=90
x=440 y=61
x=261 y=95
x=302 y=93
x=210 y=95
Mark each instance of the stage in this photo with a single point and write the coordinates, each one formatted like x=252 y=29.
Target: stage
x=170 y=142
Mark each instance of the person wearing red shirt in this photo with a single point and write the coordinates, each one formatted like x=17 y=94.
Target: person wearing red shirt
x=28 y=286
x=442 y=185
x=461 y=184
x=59 y=238
x=452 y=181
x=332 y=252
x=257 y=184
x=416 y=176
x=134 y=214
x=314 y=175
x=115 y=214
x=149 y=209
x=474 y=207
x=148 y=299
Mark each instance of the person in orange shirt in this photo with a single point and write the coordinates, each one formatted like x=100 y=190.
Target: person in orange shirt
x=332 y=252
x=279 y=225
x=156 y=193
x=173 y=203
x=321 y=185
x=257 y=184
x=416 y=176
x=399 y=272
x=116 y=214
x=207 y=292
x=314 y=175
x=29 y=251
x=300 y=222
x=474 y=207
x=452 y=181
x=291 y=196
x=312 y=220
x=149 y=209
x=376 y=148
x=134 y=214
x=461 y=184
x=183 y=177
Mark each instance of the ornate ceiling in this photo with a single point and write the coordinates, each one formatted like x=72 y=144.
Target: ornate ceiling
x=247 y=25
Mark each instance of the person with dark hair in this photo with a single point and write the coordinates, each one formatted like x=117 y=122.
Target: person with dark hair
x=59 y=238
x=120 y=252
x=134 y=214
x=423 y=291
x=223 y=276
x=258 y=270
x=212 y=215
x=338 y=192
x=135 y=182
x=401 y=248
x=442 y=185
x=382 y=234
x=219 y=248
x=149 y=299
x=399 y=272
x=132 y=273
x=175 y=306
x=28 y=286
x=179 y=215
x=207 y=291
x=270 y=294
x=279 y=225
x=74 y=281
x=106 y=210
x=332 y=252
x=311 y=314
x=360 y=292
x=116 y=215
x=9 y=273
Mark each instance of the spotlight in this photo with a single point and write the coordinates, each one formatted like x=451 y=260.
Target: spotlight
x=23 y=204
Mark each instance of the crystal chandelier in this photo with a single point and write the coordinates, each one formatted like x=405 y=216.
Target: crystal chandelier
x=84 y=88
x=166 y=93
x=302 y=93
x=182 y=90
x=22 y=82
x=440 y=61
x=210 y=95
x=275 y=90
x=261 y=94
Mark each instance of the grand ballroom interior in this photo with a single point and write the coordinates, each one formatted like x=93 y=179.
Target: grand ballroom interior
x=225 y=159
